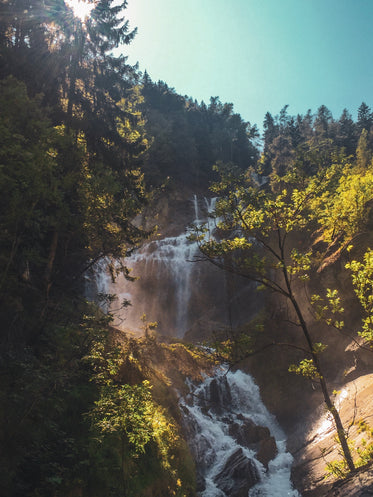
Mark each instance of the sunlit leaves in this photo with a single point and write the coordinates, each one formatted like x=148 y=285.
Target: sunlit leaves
x=301 y=263
x=126 y=410
x=305 y=368
x=233 y=349
x=319 y=347
x=327 y=308
x=254 y=225
x=362 y=280
x=131 y=125
x=341 y=209
x=334 y=301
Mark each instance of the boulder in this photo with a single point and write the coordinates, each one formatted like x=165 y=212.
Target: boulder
x=238 y=475
x=219 y=394
x=267 y=451
x=248 y=433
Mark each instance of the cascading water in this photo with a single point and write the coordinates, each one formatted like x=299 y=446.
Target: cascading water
x=180 y=295
x=238 y=446
x=167 y=259
x=168 y=283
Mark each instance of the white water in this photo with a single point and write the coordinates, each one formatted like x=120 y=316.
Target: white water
x=167 y=277
x=172 y=256
x=212 y=444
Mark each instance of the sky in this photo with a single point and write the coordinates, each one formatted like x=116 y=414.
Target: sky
x=258 y=54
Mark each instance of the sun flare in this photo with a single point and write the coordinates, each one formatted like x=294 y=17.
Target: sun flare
x=81 y=9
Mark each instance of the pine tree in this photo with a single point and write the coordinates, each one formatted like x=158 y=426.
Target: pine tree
x=364 y=118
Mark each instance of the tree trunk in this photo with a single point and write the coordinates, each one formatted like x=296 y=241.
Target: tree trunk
x=315 y=359
x=49 y=268
x=124 y=479
x=328 y=401
x=76 y=51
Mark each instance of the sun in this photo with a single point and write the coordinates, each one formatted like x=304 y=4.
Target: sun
x=81 y=8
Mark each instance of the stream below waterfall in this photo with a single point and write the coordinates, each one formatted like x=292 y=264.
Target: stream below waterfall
x=237 y=444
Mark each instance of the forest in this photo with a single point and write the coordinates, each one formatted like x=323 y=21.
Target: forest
x=87 y=142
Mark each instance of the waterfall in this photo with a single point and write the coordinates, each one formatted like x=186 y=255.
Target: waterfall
x=179 y=294
x=163 y=270
x=210 y=222
x=169 y=259
x=171 y=289
x=237 y=444
x=196 y=210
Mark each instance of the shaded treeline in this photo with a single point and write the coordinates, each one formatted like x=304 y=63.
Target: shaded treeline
x=313 y=140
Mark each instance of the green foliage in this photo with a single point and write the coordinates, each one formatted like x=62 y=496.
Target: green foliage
x=301 y=263
x=319 y=347
x=264 y=219
x=362 y=450
x=136 y=433
x=73 y=424
x=266 y=235
x=327 y=307
x=363 y=427
x=338 y=469
x=234 y=349
x=362 y=280
x=344 y=212
x=363 y=153
x=78 y=413
x=126 y=410
x=305 y=144
x=71 y=148
x=305 y=368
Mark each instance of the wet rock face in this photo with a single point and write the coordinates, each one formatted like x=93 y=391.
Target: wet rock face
x=219 y=394
x=267 y=451
x=238 y=475
x=249 y=435
x=355 y=402
x=200 y=483
x=358 y=485
x=248 y=432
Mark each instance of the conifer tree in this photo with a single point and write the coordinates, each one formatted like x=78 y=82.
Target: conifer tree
x=364 y=118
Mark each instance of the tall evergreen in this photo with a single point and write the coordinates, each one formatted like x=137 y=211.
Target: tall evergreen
x=364 y=118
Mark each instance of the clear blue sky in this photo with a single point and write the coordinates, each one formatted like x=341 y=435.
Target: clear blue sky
x=259 y=54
